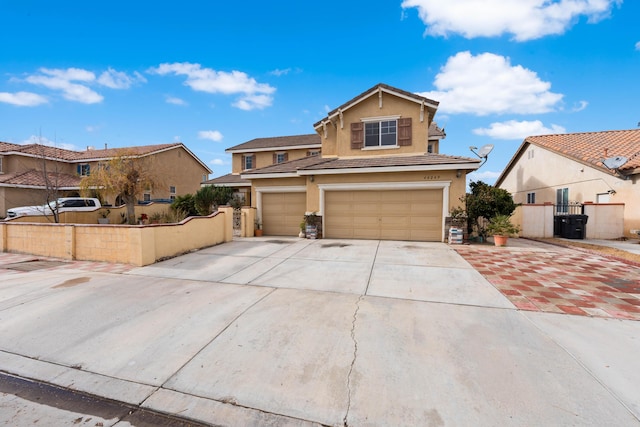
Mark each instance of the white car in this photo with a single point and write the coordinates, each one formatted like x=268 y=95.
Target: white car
x=63 y=204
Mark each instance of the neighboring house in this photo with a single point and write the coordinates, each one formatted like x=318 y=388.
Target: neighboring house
x=568 y=169
x=28 y=173
x=379 y=174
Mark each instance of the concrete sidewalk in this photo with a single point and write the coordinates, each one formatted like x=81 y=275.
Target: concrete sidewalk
x=327 y=332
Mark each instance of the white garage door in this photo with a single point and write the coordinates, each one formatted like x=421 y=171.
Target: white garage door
x=386 y=215
x=282 y=213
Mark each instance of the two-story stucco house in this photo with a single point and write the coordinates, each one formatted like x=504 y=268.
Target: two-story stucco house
x=378 y=173
x=571 y=168
x=29 y=172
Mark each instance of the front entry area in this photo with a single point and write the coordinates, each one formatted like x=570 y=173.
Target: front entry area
x=414 y=214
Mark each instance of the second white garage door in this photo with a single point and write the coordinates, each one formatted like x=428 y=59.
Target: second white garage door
x=386 y=215
x=282 y=213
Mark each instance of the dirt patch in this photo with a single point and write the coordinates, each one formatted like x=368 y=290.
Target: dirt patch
x=602 y=250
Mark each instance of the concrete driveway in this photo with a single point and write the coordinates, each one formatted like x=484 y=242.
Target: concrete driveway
x=328 y=332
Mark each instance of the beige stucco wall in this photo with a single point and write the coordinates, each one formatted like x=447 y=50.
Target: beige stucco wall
x=338 y=141
x=543 y=172
x=137 y=245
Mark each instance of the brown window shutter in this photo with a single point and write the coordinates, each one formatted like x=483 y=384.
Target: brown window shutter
x=357 y=135
x=308 y=153
x=253 y=162
x=404 y=132
x=286 y=157
x=275 y=158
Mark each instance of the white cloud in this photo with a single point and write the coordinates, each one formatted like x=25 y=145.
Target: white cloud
x=213 y=135
x=175 y=101
x=523 y=19
x=486 y=176
x=23 y=99
x=580 y=106
x=61 y=80
x=513 y=129
x=489 y=84
x=74 y=82
x=277 y=72
x=254 y=94
x=217 y=162
x=638 y=46
x=35 y=139
x=119 y=80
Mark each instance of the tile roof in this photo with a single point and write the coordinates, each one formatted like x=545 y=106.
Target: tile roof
x=90 y=154
x=436 y=132
x=319 y=163
x=291 y=166
x=592 y=147
x=368 y=92
x=228 y=179
x=279 y=141
x=34 y=178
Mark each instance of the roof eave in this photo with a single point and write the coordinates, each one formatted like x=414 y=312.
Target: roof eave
x=283 y=148
x=374 y=169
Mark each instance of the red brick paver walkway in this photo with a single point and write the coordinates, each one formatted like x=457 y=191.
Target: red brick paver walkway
x=7 y=260
x=559 y=280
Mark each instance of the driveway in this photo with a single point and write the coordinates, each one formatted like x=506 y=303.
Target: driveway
x=327 y=332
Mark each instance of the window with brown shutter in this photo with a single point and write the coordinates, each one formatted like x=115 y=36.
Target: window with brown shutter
x=404 y=131
x=357 y=135
x=249 y=161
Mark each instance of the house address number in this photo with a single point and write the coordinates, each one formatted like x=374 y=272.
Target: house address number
x=431 y=177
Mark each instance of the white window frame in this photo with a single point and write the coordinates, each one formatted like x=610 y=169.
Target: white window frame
x=531 y=198
x=146 y=197
x=281 y=155
x=85 y=169
x=379 y=121
x=244 y=161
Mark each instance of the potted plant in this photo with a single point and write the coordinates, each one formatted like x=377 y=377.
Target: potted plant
x=501 y=227
x=257 y=228
x=303 y=225
x=104 y=216
x=142 y=219
x=312 y=222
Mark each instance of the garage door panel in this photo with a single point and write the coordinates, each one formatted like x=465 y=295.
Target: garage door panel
x=384 y=214
x=282 y=213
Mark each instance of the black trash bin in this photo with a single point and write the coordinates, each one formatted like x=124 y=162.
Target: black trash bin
x=574 y=226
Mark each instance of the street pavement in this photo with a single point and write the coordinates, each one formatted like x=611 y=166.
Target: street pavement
x=280 y=331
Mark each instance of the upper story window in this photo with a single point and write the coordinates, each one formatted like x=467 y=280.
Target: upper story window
x=381 y=133
x=172 y=189
x=248 y=161
x=313 y=153
x=280 y=158
x=531 y=198
x=84 y=169
x=146 y=197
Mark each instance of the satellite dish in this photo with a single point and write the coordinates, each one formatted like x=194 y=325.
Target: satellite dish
x=614 y=162
x=484 y=151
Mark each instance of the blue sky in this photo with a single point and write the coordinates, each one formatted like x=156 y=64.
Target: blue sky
x=215 y=74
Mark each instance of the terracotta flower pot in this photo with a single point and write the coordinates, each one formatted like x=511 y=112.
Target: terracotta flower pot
x=500 y=240
x=258 y=233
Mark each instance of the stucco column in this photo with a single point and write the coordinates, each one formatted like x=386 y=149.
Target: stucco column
x=3 y=237
x=228 y=222
x=70 y=241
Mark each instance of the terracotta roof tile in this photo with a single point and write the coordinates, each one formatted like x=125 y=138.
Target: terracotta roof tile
x=291 y=166
x=279 y=141
x=36 y=179
x=319 y=163
x=593 y=147
x=228 y=179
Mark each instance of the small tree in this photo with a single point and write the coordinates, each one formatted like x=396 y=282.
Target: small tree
x=185 y=204
x=484 y=202
x=126 y=175
x=208 y=198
